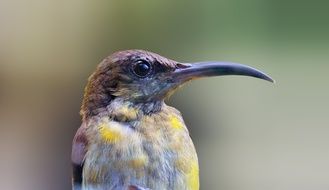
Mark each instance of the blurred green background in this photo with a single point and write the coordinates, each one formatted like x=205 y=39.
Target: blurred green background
x=249 y=134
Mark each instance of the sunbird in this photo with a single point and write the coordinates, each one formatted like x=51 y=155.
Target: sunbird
x=129 y=138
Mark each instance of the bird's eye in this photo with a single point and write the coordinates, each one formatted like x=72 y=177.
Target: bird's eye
x=142 y=68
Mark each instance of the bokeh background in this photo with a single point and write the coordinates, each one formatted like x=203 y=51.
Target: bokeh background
x=249 y=134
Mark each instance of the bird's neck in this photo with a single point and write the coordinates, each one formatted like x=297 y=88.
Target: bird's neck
x=97 y=95
x=124 y=110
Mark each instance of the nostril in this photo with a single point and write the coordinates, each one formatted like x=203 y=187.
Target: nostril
x=182 y=65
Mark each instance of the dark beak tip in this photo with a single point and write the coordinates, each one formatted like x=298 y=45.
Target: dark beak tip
x=269 y=79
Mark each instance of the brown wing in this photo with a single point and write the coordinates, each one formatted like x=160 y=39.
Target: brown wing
x=78 y=153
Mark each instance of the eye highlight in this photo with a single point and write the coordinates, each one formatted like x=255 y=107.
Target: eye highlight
x=142 y=68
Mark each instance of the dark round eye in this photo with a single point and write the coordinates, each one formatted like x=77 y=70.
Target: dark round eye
x=142 y=68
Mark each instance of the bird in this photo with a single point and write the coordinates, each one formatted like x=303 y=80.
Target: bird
x=130 y=139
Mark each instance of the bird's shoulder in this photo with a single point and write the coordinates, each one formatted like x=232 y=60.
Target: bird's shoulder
x=79 y=145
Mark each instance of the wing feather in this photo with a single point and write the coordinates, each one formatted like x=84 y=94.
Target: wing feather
x=78 y=154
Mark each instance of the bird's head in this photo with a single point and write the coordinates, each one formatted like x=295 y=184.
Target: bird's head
x=142 y=77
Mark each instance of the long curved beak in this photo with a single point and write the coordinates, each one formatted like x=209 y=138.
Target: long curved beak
x=187 y=72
